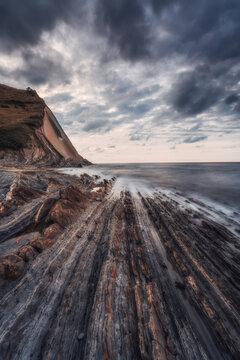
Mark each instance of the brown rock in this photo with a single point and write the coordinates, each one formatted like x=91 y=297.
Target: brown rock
x=52 y=231
x=2 y=269
x=73 y=194
x=68 y=208
x=86 y=179
x=37 y=244
x=64 y=212
x=53 y=182
x=48 y=238
x=97 y=195
x=7 y=207
x=13 y=266
x=50 y=235
x=44 y=209
x=27 y=253
x=22 y=194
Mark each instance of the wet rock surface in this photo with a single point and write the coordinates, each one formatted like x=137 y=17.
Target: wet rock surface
x=114 y=276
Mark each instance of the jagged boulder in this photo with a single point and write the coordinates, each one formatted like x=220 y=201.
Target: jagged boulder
x=73 y=194
x=68 y=208
x=11 y=266
x=50 y=235
x=21 y=194
x=86 y=179
x=64 y=212
x=27 y=253
x=45 y=208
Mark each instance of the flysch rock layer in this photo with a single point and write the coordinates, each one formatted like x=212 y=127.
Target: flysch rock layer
x=88 y=273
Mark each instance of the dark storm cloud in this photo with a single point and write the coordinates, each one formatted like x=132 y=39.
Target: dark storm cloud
x=129 y=27
x=123 y=23
x=231 y=99
x=193 y=93
x=60 y=97
x=208 y=29
x=38 y=69
x=203 y=34
x=237 y=108
x=22 y=22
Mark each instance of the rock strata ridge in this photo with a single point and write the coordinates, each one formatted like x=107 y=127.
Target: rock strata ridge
x=89 y=273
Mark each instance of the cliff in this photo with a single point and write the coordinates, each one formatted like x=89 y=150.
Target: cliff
x=30 y=133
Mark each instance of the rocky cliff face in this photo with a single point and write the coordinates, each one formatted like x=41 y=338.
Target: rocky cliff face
x=30 y=133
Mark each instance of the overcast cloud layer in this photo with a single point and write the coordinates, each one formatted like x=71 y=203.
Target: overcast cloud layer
x=155 y=80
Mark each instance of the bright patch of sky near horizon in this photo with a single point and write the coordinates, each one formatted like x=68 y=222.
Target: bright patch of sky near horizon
x=144 y=89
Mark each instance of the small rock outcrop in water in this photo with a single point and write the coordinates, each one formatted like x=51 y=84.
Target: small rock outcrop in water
x=89 y=273
x=30 y=133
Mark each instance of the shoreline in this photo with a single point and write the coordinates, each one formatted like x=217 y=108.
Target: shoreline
x=89 y=271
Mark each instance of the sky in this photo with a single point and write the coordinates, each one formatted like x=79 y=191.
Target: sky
x=131 y=80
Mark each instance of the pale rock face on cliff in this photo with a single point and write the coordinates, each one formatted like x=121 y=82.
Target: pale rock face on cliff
x=30 y=133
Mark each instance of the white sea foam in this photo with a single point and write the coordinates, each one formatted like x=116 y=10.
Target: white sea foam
x=178 y=183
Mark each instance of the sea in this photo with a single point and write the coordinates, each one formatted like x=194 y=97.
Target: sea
x=215 y=182
x=211 y=189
